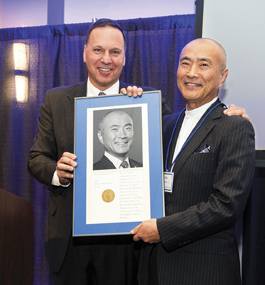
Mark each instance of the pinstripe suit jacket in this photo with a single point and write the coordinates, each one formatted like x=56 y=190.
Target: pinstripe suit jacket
x=54 y=137
x=209 y=194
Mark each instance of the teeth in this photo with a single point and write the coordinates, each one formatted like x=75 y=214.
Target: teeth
x=192 y=84
x=105 y=69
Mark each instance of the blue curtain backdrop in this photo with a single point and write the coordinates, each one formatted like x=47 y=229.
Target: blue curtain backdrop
x=36 y=59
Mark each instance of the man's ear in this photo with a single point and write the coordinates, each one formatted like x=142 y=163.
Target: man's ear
x=100 y=137
x=224 y=75
x=124 y=60
x=84 y=54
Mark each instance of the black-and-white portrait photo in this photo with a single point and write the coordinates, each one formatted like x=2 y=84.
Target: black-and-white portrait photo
x=117 y=138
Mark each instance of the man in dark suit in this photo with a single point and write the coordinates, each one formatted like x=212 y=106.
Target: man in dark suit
x=116 y=134
x=209 y=166
x=51 y=161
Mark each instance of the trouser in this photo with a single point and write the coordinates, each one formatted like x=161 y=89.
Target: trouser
x=98 y=264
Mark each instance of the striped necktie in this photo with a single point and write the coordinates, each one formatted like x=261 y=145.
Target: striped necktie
x=124 y=164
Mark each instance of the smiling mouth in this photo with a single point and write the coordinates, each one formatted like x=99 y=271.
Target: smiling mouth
x=104 y=69
x=121 y=143
x=193 y=84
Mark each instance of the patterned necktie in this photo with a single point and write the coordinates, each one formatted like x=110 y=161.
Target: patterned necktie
x=101 y=93
x=124 y=164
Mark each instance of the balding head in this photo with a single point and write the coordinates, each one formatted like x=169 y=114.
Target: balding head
x=116 y=133
x=201 y=72
x=219 y=49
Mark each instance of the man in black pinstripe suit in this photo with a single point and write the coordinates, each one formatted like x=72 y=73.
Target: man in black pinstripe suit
x=210 y=160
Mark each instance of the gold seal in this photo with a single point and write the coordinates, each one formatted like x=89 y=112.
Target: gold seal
x=108 y=195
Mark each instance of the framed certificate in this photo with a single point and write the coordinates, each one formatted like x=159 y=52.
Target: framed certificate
x=118 y=182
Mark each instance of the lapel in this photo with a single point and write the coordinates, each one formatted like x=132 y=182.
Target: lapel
x=195 y=141
x=106 y=163
x=132 y=163
x=79 y=90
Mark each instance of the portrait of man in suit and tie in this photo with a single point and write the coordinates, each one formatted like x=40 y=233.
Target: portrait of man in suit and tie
x=116 y=134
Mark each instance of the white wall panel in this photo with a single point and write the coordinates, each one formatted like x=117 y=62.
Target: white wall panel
x=239 y=25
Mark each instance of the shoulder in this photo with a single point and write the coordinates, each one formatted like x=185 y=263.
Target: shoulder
x=234 y=122
x=100 y=164
x=72 y=91
x=97 y=165
x=170 y=120
x=233 y=132
x=171 y=117
x=134 y=163
x=103 y=163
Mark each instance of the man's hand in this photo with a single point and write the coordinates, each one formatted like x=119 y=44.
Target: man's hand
x=65 y=167
x=236 y=111
x=132 y=91
x=146 y=231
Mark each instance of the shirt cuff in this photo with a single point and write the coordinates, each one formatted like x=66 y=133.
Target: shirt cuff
x=56 y=182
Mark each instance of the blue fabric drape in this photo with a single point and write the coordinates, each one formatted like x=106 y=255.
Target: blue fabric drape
x=54 y=57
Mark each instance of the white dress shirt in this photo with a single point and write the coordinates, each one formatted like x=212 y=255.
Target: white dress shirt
x=189 y=122
x=93 y=91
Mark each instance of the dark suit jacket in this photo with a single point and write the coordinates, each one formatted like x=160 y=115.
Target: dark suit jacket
x=105 y=163
x=54 y=137
x=209 y=194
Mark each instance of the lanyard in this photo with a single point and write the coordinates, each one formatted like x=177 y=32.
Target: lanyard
x=170 y=168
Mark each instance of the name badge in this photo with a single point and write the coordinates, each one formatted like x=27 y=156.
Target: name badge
x=168 y=181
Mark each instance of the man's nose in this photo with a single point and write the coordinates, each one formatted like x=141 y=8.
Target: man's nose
x=193 y=71
x=122 y=133
x=106 y=58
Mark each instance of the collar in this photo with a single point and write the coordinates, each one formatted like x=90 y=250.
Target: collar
x=198 y=112
x=93 y=91
x=116 y=161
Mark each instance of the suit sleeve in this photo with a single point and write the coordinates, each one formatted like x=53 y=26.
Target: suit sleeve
x=230 y=189
x=43 y=155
